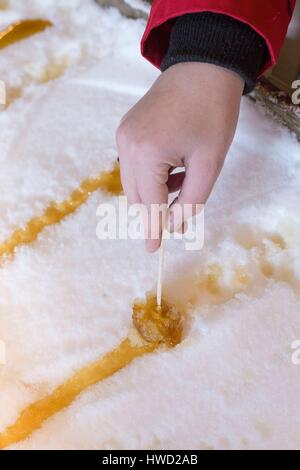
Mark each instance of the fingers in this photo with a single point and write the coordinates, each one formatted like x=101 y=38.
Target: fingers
x=128 y=181
x=144 y=179
x=153 y=192
x=201 y=175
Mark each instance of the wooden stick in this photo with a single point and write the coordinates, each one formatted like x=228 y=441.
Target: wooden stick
x=160 y=270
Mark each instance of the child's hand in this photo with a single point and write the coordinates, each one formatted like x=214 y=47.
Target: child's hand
x=188 y=118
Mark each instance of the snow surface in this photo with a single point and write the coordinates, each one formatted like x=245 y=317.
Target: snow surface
x=66 y=299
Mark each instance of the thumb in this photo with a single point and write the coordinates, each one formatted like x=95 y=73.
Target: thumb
x=153 y=192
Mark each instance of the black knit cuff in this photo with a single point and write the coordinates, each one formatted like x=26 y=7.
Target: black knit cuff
x=217 y=39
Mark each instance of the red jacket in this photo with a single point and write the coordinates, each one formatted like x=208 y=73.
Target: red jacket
x=269 y=18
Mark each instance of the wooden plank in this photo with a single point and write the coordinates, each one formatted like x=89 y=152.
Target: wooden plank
x=279 y=104
x=124 y=8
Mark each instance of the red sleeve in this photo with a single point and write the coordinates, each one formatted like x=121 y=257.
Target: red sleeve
x=269 y=18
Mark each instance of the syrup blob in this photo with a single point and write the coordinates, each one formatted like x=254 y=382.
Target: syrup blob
x=163 y=325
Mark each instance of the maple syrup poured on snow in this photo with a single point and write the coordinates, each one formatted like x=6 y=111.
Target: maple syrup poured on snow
x=16 y=32
x=158 y=324
x=33 y=417
x=107 y=181
x=21 y=30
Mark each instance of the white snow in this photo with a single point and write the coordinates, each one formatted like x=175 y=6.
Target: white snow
x=66 y=299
